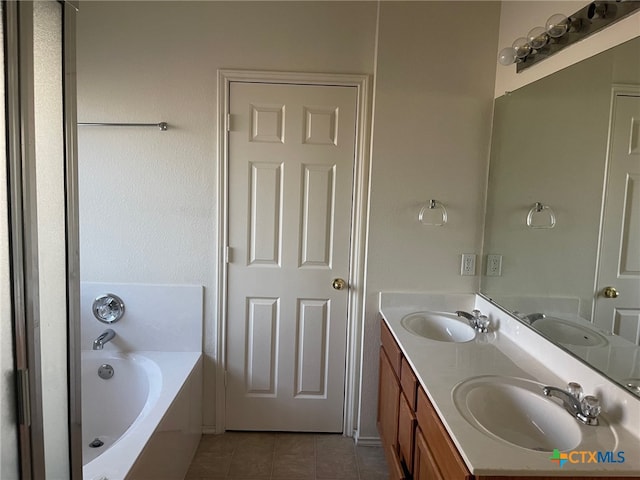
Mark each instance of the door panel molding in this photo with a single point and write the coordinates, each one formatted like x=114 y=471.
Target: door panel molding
x=359 y=216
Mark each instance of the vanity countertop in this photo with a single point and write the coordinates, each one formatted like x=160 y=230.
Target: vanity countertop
x=440 y=366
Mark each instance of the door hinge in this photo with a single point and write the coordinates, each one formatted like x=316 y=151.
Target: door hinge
x=227 y=254
x=225 y=379
x=24 y=405
x=228 y=122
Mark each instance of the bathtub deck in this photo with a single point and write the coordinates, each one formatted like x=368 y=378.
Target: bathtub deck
x=292 y=456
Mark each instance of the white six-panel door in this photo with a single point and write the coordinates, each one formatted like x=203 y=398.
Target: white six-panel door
x=291 y=160
x=619 y=266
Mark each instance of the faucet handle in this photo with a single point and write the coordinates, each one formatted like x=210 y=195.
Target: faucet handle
x=482 y=323
x=575 y=389
x=590 y=406
x=476 y=313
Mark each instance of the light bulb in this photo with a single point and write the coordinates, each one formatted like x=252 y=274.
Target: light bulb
x=521 y=47
x=507 y=56
x=557 y=25
x=537 y=37
x=597 y=10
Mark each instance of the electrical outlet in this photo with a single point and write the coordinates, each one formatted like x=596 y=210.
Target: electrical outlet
x=468 y=264
x=494 y=265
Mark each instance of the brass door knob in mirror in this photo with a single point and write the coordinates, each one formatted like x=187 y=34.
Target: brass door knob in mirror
x=610 y=292
x=338 y=284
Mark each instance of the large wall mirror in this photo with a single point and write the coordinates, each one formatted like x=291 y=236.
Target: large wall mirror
x=562 y=228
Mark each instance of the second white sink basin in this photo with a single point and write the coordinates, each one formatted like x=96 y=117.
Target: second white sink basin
x=439 y=326
x=515 y=411
x=569 y=333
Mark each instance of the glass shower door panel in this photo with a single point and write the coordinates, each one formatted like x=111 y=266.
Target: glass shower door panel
x=51 y=226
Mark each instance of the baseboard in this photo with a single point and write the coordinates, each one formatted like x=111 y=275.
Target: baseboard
x=368 y=441
x=361 y=441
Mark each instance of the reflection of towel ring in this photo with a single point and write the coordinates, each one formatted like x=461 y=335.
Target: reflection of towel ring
x=537 y=208
x=433 y=205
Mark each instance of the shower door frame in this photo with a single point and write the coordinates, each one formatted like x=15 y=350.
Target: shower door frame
x=24 y=236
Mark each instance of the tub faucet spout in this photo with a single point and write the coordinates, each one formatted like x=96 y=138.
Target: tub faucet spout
x=104 y=337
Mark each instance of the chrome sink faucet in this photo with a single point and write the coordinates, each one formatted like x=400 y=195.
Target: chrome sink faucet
x=585 y=409
x=478 y=321
x=532 y=317
x=104 y=337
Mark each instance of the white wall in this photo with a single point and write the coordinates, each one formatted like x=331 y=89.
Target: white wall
x=433 y=107
x=160 y=318
x=518 y=17
x=148 y=198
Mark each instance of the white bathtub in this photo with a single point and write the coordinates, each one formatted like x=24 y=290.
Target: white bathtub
x=151 y=406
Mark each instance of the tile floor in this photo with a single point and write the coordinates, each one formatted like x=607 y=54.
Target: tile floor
x=285 y=456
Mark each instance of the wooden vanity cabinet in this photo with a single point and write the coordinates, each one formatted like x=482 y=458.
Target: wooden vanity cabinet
x=402 y=407
x=416 y=443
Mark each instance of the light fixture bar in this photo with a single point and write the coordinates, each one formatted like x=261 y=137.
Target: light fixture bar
x=542 y=42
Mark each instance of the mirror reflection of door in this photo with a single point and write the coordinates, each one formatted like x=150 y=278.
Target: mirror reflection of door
x=617 y=303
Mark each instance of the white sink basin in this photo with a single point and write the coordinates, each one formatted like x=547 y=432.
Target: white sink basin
x=515 y=411
x=569 y=333
x=439 y=326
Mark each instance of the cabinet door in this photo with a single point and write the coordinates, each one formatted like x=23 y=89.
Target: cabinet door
x=406 y=428
x=425 y=467
x=449 y=461
x=396 y=472
x=388 y=397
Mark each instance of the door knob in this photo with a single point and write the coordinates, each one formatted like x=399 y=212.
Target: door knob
x=338 y=284
x=610 y=292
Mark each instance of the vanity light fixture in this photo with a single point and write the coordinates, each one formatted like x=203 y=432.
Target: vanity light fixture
x=561 y=31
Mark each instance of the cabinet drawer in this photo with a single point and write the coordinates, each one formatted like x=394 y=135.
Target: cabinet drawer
x=449 y=461
x=391 y=347
x=409 y=383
